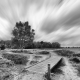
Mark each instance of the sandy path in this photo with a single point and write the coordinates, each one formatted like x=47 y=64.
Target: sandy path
x=33 y=76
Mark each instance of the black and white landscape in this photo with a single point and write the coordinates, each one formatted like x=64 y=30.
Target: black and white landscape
x=39 y=40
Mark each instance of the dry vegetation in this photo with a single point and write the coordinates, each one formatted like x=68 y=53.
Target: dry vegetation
x=16 y=58
x=44 y=52
x=15 y=64
x=20 y=51
x=64 y=53
x=73 y=58
x=68 y=69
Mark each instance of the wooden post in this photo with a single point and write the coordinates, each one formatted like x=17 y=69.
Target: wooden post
x=49 y=72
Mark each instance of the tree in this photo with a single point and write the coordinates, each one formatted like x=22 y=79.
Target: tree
x=8 y=43
x=23 y=34
x=56 y=45
x=2 y=47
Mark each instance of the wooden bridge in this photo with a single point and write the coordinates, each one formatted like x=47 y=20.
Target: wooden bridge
x=43 y=66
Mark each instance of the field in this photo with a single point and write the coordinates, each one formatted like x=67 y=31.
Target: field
x=32 y=64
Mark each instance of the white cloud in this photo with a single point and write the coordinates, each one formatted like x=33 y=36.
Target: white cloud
x=52 y=20
x=4 y=26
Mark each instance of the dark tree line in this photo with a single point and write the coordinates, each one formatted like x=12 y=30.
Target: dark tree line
x=42 y=44
x=34 y=45
x=23 y=38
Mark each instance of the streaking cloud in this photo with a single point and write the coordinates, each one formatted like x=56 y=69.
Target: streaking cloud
x=53 y=20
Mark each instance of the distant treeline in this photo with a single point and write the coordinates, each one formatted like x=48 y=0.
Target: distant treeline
x=24 y=38
x=42 y=44
x=34 y=45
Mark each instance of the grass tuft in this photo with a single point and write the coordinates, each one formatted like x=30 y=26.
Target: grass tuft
x=16 y=58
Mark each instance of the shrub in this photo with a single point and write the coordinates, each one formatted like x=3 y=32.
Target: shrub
x=33 y=62
x=6 y=76
x=2 y=47
x=16 y=58
x=37 y=57
x=76 y=60
x=65 y=53
x=76 y=55
x=30 y=53
x=21 y=51
x=44 y=52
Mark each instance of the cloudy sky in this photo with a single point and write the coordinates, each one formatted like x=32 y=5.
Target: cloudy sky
x=53 y=20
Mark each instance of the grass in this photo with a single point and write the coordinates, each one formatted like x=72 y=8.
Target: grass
x=64 y=53
x=16 y=58
x=33 y=62
x=20 y=51
x=75 y=60
x=37 y=57
x=76 y=55
x=78 y=69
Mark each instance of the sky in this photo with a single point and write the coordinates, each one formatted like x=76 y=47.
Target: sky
x=52 y=20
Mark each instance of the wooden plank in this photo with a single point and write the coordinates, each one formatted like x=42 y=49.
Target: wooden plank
x=56 y=67
x=43 y=66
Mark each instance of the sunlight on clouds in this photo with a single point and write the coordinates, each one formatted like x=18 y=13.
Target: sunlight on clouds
x=56 y=35
x=4 y=32
x=53 y=20
x=36 y=18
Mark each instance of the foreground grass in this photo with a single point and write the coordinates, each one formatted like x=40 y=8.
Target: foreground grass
x=19 y=60
x=16 y=58
x=64 y=53
x=73 y=58
x=65 y=72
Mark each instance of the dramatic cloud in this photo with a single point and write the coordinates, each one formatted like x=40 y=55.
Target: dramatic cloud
x=53 y=20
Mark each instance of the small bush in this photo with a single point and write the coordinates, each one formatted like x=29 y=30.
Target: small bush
x=44 y=52
x=21 y=51
x=76 y=55
x=65 y=53
x=17 y=59
x=2 y=47
x=37 y=57
x=76 y=60
x=33 y=62
x=30 y=53
x=16 y=51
